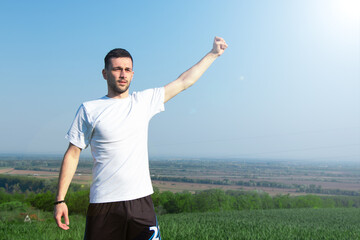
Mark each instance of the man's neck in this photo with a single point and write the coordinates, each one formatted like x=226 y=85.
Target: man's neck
x=117 y=95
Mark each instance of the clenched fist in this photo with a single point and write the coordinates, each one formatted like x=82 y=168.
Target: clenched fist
x=219 y=46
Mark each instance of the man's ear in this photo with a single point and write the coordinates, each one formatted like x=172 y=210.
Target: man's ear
x=104 y=74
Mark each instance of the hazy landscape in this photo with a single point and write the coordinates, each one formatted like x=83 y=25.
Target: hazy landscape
x=197 y=198
x=176 y=175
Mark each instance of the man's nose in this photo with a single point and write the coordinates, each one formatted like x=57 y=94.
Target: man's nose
x=122 y=73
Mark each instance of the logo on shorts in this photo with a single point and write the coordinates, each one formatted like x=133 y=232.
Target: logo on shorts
x=156 y=235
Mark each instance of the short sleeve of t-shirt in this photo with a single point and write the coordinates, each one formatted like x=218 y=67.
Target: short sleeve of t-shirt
x=155 y=99
x=80 y=131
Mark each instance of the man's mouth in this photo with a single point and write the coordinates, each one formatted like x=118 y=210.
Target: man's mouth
x=122 y=82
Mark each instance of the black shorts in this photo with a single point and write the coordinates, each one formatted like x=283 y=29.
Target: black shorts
x=125 y=220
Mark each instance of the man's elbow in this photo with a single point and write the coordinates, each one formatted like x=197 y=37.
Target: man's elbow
x=72 y=151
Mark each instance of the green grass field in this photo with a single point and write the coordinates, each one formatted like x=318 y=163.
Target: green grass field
x=264 y=224
x=255 y=224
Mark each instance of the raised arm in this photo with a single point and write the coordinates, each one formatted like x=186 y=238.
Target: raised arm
x=67 y=171
x=189 y=77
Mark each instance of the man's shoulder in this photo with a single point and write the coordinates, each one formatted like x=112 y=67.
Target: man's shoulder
x=95 y=101
x=91 y=104
x=147 y=92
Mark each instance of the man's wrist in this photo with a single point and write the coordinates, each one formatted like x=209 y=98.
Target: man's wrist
x=59 y=202
x=213 y=54
x=59 y=198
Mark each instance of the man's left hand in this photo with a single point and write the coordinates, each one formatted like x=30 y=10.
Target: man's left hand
x=219 y=46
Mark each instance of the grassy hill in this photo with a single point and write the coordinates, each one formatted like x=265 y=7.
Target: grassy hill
x=249 y=224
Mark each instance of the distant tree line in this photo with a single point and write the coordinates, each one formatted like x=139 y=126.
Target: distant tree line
x=219 y=200
x=312 y=188
x=24 y=184
x=40 y=193
x=40 y=165
x=167 y=202
x=29 y=163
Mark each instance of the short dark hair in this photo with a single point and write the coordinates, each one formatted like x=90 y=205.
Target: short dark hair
x=117 y=53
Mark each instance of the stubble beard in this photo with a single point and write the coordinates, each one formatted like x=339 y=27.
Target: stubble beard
x=116 y=89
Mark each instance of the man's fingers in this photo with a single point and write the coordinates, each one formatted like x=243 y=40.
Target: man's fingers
x=220 y=41
x=66 y=218
x=61 y=211
x=223 y=45
x=60 y=224
x=219 y=45
x=63 y=226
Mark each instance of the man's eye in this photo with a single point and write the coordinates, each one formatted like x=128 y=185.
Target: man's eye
x=127 y=70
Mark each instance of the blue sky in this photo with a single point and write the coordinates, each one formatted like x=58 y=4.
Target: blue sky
x=288 y=86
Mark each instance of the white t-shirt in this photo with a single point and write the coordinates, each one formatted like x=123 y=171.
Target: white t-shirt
x=117 y=131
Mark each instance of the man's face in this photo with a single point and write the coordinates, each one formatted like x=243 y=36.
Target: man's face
x=118 y=74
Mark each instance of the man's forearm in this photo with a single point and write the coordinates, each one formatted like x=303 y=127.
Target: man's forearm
x=189 y=77
x=67 y=171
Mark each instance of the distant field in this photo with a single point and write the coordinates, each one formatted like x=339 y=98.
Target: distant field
x=85 y=179
x=44 y=173
x=193 y=187
x=79 y=178
x=6 y=170
x=282 y=176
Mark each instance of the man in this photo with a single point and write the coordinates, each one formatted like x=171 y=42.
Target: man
x=116 y=127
